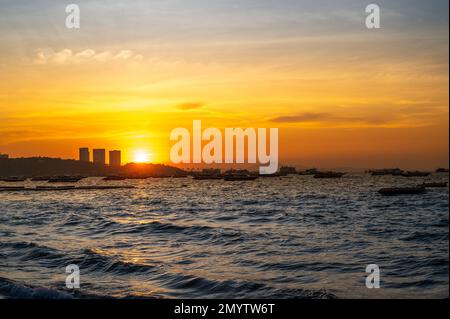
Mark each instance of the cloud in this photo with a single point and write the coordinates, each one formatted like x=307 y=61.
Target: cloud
x=379 y=116
x=190 y=106
x=67 y=56
x=326 y=118
x=301 y=118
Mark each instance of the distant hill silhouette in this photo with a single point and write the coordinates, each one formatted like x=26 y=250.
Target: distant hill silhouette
x=44 y=166
x=150 y=170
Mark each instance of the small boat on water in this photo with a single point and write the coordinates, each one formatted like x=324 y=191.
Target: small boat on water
x=208 y=174
x=329 y=175
x=287 y=170
x=415 y=174
x=240 y=175
x=137 y=177
x=311 y=171
x=11 y=189
x=207 y=177
x=434 y=185
x=61 y=188
x=114 y=178
x=40 y=179
x=401 y=191
x=65 y=179
x=102 y=187
x=13 y=179
x=386 y=171
x=237 y=178
x=54 y=187
x=272 y=175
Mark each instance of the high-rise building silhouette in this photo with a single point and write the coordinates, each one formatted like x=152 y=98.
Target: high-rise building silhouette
x=115 y=158
x=84 y=154
x=99 y=156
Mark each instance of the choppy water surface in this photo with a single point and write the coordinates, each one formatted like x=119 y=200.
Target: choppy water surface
x=292 y=237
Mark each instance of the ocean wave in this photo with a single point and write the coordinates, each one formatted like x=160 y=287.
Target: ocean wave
x=86 y=259
x=196 y=232
x=94 y=261
x=12 y=289
x=196 y=287
x=422 y=236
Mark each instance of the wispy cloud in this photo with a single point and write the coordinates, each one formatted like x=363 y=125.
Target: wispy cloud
x=393 y=118
x=67 y=56
x=190 y=105
x=299 y=118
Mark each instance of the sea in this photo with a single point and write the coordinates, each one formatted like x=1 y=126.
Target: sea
x=286 y=237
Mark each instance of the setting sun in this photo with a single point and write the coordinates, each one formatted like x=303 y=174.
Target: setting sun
x=142 y=157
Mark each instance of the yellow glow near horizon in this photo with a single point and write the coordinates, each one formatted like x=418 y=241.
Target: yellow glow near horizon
x=141 y=156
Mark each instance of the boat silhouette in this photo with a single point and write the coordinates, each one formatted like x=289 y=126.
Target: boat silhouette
x=402 y=191
x=13 y=179
x=415 y=174
x=114 y=178
x=329 y=175
x=239 y=175
x=65 y=179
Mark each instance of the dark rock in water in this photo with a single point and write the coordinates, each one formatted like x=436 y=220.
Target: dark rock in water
x=401 y=191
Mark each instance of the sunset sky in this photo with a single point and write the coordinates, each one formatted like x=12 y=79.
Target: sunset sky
x=341 y=95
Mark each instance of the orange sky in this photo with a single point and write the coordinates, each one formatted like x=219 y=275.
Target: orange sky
x=341 y=95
